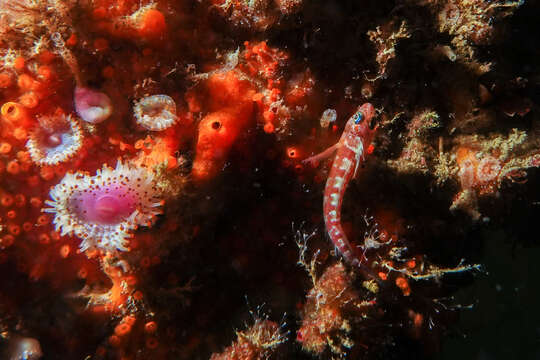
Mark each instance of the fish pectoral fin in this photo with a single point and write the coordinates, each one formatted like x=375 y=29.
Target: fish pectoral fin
x=313 y=160
x=358 y=161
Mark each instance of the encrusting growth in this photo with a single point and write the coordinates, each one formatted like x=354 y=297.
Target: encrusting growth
x=260 y=341
x=324 y=321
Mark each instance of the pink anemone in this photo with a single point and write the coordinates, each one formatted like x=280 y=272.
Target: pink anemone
x=104 y=209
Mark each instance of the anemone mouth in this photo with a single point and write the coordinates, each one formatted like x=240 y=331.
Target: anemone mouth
x=103 y=206
x=110 y=209
x=156 y=112
x=56 y=139
x=103 y=210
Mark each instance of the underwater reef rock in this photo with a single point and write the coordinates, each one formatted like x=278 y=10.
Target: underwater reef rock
x=158 y=173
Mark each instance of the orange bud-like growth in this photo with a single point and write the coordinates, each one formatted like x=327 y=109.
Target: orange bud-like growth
x=217 y=133
x=231 y=113
x=152 y=24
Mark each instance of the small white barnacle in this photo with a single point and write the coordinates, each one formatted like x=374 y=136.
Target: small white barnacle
x=156 y=112
x=54 y=140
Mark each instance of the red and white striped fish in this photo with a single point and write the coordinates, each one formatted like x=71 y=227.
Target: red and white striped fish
x=351 y=150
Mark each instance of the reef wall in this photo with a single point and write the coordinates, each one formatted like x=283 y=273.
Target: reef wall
x=313 y=174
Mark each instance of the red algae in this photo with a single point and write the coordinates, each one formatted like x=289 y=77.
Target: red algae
x=260 y=341
x=155 y=173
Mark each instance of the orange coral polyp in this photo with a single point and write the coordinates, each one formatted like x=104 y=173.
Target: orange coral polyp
x=5 y=148
x=20 y=132
x=6 y=200
x=27 y=226
x=7 y=241
x=42 y=220
x=64 y=251
x=13 y=112
x=122 y=329
x=46 y=173
x=29 y=100
x=45 y=73
x=5 y=80
x=36 y=202
x=44 y=239
x=19 y=63
x=13 y=167
x=150 y=327
x=26 y=83
x=292 y=152
x=268 y=128
x=14 y=229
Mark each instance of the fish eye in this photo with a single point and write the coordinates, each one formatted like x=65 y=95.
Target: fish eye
x=358 y=119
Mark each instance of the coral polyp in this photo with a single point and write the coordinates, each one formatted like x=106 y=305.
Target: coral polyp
x=156 y=112
x=54 y=140
x=104 y=209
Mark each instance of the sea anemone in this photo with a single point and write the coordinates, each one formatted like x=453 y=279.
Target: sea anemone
x=91 y=105
x=55 y=140
x=156 y=112
x=103 y=209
